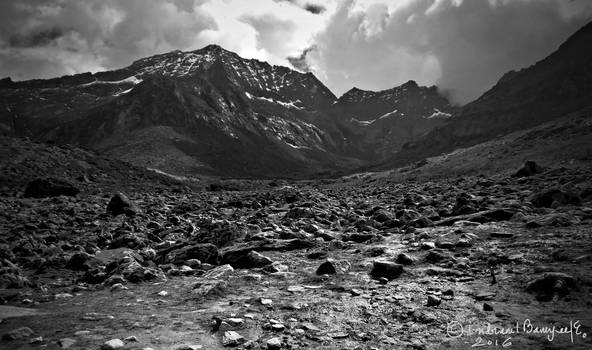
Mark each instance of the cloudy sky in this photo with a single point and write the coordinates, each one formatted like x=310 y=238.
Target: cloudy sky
x=461 y=46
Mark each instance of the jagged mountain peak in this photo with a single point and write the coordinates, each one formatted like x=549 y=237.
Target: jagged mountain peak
x=357 y=95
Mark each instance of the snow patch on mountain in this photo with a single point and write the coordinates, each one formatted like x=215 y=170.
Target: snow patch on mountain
x=133 y=80
x=291 y=104
x=438 y=114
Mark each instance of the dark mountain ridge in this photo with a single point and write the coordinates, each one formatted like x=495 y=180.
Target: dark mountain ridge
x=553 y=87
x=209 y=111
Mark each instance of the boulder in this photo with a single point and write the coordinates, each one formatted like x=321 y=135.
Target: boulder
x=50 y=187
x=135 y=273
x=551 y=284
x=232 y=338
x=113 y=344
x=82 y=261
x=204 y=252
x=386 y=269
x=232 y=254
x=553 y=197
x=529 y=168
x=121 y=204
x=330 y=267
x=250 y=260
x=405 y=259
x=19 y=333
x=464 y=204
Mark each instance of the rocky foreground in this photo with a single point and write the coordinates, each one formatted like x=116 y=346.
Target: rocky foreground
x=357 y=263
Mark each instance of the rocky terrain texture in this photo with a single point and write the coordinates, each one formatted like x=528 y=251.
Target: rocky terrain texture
x=369 y=261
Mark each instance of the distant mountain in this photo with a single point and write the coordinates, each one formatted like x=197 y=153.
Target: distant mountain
x=552 y=88
x=378 y=123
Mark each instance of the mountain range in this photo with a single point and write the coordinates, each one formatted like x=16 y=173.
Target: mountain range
x=213 y=112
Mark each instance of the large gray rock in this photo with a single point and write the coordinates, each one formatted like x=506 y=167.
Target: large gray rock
x=121 y=204
x=551 y=284
x=204 y=252
x=330 y=267
x=529 y=168
x=386 y=269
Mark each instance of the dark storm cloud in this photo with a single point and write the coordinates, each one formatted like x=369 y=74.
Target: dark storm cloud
x=463 y=46
x=70 y=36
x=314 y=8
x=37 y=38
x=300 y=62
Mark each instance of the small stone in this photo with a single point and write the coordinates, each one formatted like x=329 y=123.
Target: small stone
x=118 y=286
x=433 y=300
x=278 y=327
x=81 y=333
x=383 y=280
x=232 y=338
x=66 y=343
x=38 y=340
x=113 y=344
x=404 y=259
x=266 y=302
x=188 y=347
x=19 y=333
x=163 y=293
x=235 y=321
x=355 y=292
x=428 y=245
x=338 y=335
x=274 y=344
x=63 y=296
x=449 y=292
x=131 y=338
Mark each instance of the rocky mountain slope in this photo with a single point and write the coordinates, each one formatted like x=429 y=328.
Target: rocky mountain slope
x=550 y=89
x=206 y=111
x=212 y=112
x=377 y=123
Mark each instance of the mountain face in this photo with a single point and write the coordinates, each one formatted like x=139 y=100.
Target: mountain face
x=203 y=111
x=550 y=89
x=378 y=123
x=211 y=111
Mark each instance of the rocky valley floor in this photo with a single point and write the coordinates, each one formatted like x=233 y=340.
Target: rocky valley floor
x=359 y=263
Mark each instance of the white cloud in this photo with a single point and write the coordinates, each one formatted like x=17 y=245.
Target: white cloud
x=463 y=46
